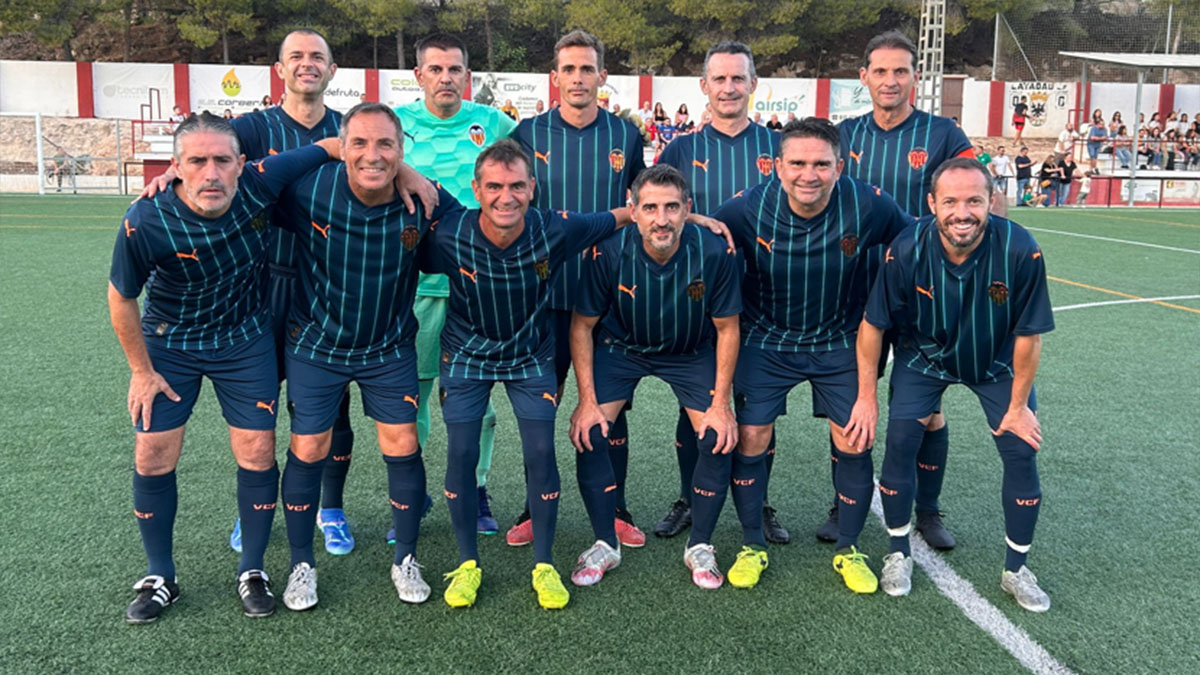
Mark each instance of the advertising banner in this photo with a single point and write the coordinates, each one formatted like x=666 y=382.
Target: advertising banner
x=620 y=90
x=781 y=95
x=524 y=90
x=47 y=87
x=346 y=89
x=673 y=91
x=135 y=91
x=848 y=98
x=399 y=87
x=216 y=88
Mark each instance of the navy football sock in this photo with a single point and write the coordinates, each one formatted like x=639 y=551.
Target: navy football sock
x=833 y=462
x=257 y=492
x=618 y=456
x=462 y=498
x=542 y=486
x=596 y=486
x=301 y=489
x=747 y=477
x=337 y=464
x=155 y=499
x=855 y=482
x=897 y=481
x=710 y=484
x=931 y=468
x=686 y=453
x=406 y=493
x=769 y=463
x=1022 y=494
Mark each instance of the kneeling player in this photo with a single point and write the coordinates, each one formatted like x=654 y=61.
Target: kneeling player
x=968 y=294
x=202 y=253
x=657 y=292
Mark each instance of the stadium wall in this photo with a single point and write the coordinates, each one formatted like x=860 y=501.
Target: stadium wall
x=148 y=90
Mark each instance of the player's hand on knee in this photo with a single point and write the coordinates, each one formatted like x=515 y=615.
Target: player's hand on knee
x=586 y=416
x=1022 y=423
x=860 y=430
x=143 y=387
x=720 y=419
x=157 y=185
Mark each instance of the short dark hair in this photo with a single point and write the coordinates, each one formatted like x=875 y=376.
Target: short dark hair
x=729 y=47
x=442 y=41
x=505 y=151
x=306 y=31
x=205 y=121
x=967 y=163
x=580 y=38
x=370 y=108
x=662 y=175
x=892 y=39
x=813 y=127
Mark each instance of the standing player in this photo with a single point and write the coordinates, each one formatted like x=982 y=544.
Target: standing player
x=967 y=291
x=584 y=159
x=352 y=320
x=501 y=259
x=201 y=252
x=443 y=136
x=898 y=147
x=725 y=157
x=804 y=235
x=687 y=280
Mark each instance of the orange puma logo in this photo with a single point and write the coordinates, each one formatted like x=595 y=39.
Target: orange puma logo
x=398 y=505
x=264 y=507
x=926 y=293
x=1029 y=502
x=272 y=151
x=626 y=289
x=323 y=230
x=550 y=398
x=888 y=491
x=1036 y=254
x=297 y=507
x=856 y=156
x=563 y=214
x=595 y=253
x=610 y=488
x=411 y=400
x=545 y=157
x=269 y=407
x=143 y=515
x=548 y=496
x=450 y=495
x=191 y=255
x=469 y=275
x=259 y=165
x=846 y=499
x=765 y=244
x=878 y=192
x=129 y=230
x=887 y=256
x=702 y=165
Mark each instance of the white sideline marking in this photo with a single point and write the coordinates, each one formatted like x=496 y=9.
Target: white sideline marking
x=1103 y=303
x=1119 y=241
x=981 y=612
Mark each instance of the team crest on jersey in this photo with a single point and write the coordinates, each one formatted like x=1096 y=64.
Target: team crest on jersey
x=917 y=158
x=409 y=237
x=695 y=290
x=998 y=292
x=542 y=268
x=764 y=164
x=616 y=158
x=849 y=245
x=259 y=223
x=477 y=134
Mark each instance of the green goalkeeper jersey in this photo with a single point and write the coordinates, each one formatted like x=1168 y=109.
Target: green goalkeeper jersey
x=445 y=151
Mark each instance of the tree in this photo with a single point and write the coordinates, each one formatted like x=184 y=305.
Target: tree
x=52 y=22
x=770 y=29
x=206 y=21
x=646 y=29
x=378 y=18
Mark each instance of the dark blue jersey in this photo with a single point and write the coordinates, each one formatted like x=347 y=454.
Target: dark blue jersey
x=803 y=290
x=588 y=170
x=205 y=277
x=357 y=269
x=902 y=159
x=272 y=131
x=718 y=166
x=498 y=324
x=958 y=322
x=648 y=308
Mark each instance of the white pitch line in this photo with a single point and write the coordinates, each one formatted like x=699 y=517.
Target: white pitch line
x=1118 y=241
x=981 y=612
x=1131 y=301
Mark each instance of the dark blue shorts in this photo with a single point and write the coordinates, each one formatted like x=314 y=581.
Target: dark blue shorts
x=465 y=400
x=280 y=288
x=692 y=376
x=243 y=375
x=764 y=378
x=315 y=389
x=914 y=395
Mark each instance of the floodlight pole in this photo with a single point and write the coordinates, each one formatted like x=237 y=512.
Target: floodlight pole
x=996 y=46
x=41 y=155
x=1167 y=45
x=1137 y=133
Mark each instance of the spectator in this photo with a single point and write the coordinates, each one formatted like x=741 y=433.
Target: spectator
x=1031 y=199
x=1085 y=187
x=984 y=158
x=791 y=117
x=266 y=101
x=1001 y=168
x=660 y=115
x=228 y=114
x=757 y=118
x=646 y=113
x=706 y=116
x=1024 y=170
x=1069 y=170
x=1066 y=140
x=1191 y=148
x=177 y=117
x=1182 y=125
x=1048 y=178
x=954 y=118
x=539 y=107
x=1020 y=114
x=1096 y=134
x=1115 y=125
x=554 y=104
x=682 y=123
x=1123 y=146
x=616 y=109
x=1169 y=145
x=774 y=124
x=511 y=110
x=1154 y=123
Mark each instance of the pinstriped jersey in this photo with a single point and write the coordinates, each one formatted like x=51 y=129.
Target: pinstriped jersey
x=498 y=324
x=588 y=170
x=958 y=322
x=205 y=278
x=718 y=166
x=270 y=131
x=650 y=308
x=802 y=291
x=357 y=269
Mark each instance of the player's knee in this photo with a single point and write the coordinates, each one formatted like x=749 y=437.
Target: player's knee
x=156 y=454
x=936 y=421
x=842 y=443
x=398 y=440
x=311 y=447
x=253 y=450
x=753 y=439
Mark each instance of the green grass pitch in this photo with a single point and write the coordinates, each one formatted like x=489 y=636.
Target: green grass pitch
x=1116 y=548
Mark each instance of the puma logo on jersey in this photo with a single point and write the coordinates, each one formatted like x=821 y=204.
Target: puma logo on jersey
x=269 y=407
x=595 y=253
x=192 y=255
x=627 y=289
x=927 y=293
x=259 y=165
x=545 y=157
x=323 y=230
x=887 y=256
x=272 y=151
x=469 y=275
x=703 y=165
x=129 y=230
x=856 y=156
x=1036 y=254
x=765 y=244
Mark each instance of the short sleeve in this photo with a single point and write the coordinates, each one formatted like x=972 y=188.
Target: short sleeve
x=891 y=220
x=733 y=214
x=447 y=206
x=505 y=126
x=264 y=180
x=886 y=298
x=637 y=157
x=1034 y=315
x=429 y=256
x=595 y=289
x=132 y=261
x=584 y=230
x=727 y=285
x=957 y=143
